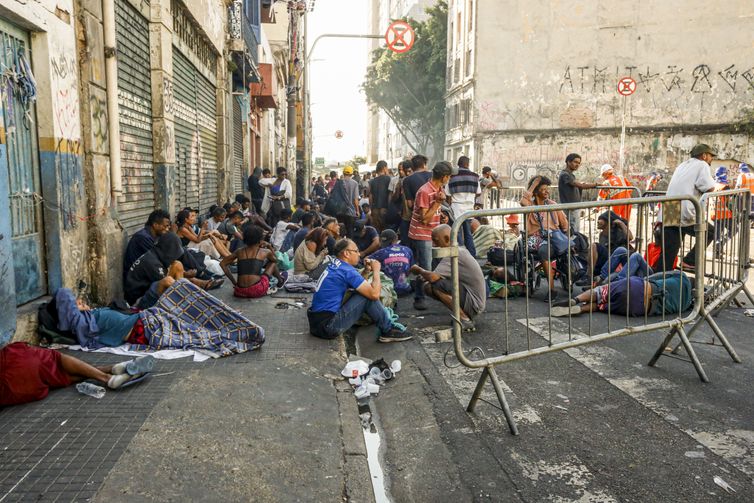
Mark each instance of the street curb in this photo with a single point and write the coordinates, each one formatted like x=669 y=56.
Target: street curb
x=358 y=483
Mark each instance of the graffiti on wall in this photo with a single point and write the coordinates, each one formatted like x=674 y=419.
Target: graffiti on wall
x=701 y=78
x=98 y=112
x=168 y=101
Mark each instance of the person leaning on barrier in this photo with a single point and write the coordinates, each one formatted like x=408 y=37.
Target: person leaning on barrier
x=472 y=286
x=669 y=293
x=691 y=178
x=539 y=224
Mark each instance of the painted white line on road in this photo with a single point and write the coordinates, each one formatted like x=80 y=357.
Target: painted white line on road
x=735 y=445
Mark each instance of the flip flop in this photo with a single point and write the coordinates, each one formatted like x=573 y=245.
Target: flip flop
x=214 y=284
x=135 y=380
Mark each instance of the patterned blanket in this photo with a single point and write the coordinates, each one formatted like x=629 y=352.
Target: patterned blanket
x=187 y=317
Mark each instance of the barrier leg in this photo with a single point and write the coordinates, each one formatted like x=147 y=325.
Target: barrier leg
x=748 y=294
x=692 y=355
x=662 y=347
x=721 y=336
x=477 y=391
x=503 y=401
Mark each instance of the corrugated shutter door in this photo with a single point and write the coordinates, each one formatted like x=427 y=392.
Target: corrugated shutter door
x=238 y=171
x=135 y=102
x=186 y=137
x=207 y=126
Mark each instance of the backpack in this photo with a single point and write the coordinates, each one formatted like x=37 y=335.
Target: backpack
x=47 y=326
x=337 y=203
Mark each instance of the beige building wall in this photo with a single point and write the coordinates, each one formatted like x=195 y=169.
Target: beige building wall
x=546 y=75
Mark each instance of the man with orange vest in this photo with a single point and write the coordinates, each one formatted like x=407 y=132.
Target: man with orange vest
x=721 y=214
x=746 y=181
x=606 y=171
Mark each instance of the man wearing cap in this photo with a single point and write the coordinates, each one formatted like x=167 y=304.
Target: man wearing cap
x=607 y=173
x=691 y=178
x=569 y=189
x=351 y=187
x=424 y=218
x=396 y=260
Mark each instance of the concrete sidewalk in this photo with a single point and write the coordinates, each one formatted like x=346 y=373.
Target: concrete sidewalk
x=276 y=424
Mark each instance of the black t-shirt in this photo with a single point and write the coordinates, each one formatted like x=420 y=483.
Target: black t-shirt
x=257 y=191
x=618 y=235
x=412 y=184
x=378 y=188
x=567 y=192
x=365 y=241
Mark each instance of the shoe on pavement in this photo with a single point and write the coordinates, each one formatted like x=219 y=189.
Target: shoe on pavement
x=140 y=365
x=468 y=326
x=420 y=304
x=285 y=277
x=395 y=335
x=565 y=311
x=552 y=297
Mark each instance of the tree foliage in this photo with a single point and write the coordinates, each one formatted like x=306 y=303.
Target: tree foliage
x=410 y=87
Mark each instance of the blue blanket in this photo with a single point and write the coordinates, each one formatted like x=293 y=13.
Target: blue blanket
x=187 y=317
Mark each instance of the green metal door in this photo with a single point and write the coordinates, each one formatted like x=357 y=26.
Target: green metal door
x=19 y=156
x=195 y=135
x=135 y=102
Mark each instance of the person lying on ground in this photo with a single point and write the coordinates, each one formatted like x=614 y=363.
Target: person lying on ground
x=366 y=238
x=256 y=265
x=153 y=272
x=311 y=252
x=28 y=373
x=282 y=236
x=539 y=225
x=183 y=317
x=395 y=260
x=330 y=314
x=158 y=223
x=621 y=265
x=484 y=236
x=208 y=242
x=668 y=293
x=473 y=288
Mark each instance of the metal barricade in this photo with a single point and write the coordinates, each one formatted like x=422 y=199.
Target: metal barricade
x=657 y=291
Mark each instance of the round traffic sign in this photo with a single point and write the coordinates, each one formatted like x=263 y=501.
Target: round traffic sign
x=626 y=86
x=400 y=37
x=339 y=134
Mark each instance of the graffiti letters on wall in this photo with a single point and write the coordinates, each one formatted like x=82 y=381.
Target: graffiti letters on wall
x=701 y=78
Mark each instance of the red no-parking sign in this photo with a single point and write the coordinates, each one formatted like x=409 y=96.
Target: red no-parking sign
x=338 y=134
x=626 y=86
x=400 y=37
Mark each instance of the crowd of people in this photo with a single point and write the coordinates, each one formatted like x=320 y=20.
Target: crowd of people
x=361 y=242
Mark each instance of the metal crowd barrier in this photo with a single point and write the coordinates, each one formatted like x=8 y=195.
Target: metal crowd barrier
x=727 y=273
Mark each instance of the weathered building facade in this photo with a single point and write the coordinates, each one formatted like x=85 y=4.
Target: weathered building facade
x=111 y=109
x=527 y=84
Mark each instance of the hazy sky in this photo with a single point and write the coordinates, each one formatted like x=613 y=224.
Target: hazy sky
x=337 y=71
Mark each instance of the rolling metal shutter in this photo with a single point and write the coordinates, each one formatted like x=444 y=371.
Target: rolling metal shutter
x=195 y=136
x=238 y=171
x=135 y=102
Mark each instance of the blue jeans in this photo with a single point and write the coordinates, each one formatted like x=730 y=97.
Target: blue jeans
x=422 y=258
x=466 y=238
x=635 y=265
x=353 y=310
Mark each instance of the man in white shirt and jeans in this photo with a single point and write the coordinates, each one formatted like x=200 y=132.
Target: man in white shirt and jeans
x=691 y=178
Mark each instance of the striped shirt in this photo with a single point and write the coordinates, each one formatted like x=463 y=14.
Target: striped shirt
x=463 y=188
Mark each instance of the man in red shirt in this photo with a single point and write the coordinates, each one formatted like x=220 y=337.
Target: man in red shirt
x=425 y=217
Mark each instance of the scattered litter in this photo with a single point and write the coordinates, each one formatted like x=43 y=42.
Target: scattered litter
x=163 y=374
x=749 y=313
x=87 y=388
x=562 y=397
x=671 y=417
x=694 y=454
x=61 y=424
x=366 y=379
x=355 y=369
x=444 y=335
x=395 y=366
x=288 y=305
x=560 y=407
x=726 y=487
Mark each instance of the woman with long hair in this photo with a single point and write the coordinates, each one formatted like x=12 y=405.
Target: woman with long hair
x=256 y=264
x=311 y=252
x=205 y=240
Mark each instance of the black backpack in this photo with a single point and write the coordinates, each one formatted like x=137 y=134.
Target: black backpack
x=337 y=203
x=47 y=325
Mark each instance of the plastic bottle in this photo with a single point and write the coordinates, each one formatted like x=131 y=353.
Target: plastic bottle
x=87 y=388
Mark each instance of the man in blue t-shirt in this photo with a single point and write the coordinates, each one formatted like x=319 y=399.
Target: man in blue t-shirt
x=329 y=316
x=396 y=260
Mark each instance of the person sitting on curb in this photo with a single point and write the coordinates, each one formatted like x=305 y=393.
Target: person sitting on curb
x=256 y=265
x=396 y=261
x=366 y=238
x=473 y=288
x=329 y=316
x=28 y=373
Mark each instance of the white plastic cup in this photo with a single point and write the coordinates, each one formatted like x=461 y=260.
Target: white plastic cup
x=395 y=366
x=361 y=391
x=356 y=381
x=374 y=372
x=387 y=374
x=373 y=389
